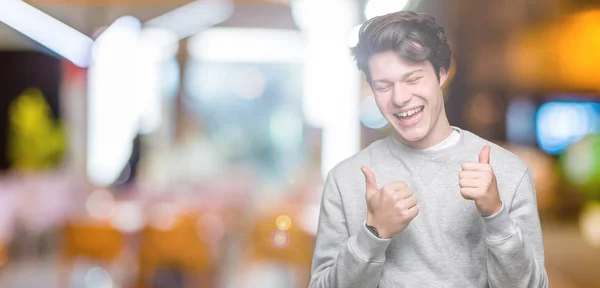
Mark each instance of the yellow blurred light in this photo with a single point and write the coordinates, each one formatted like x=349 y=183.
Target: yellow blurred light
x=283 y=222
x=36 y=140
x=589 y=224
x=579 y=50
x=559 y=55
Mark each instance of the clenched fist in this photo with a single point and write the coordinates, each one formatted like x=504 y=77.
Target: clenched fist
x=391 y=208
x=478 y=183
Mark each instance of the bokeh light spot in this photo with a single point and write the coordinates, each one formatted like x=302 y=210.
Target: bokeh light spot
x=590 y=224
x=100 y=204
x=283 y=222
x=98 y=278
x=370 y=115
x=280 y=239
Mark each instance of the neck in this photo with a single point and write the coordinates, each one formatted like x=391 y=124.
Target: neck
x=439 y=133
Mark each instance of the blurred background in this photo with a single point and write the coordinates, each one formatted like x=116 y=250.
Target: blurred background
x=149 y=143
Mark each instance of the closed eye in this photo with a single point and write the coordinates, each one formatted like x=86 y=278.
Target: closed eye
x=414 y=80
x=383 y=88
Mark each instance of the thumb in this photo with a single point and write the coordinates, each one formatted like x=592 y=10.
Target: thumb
x=484 y=155
x=370 y=180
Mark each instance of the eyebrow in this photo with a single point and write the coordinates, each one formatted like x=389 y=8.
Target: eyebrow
x=404 y=77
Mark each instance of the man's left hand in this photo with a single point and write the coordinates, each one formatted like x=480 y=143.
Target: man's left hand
x=478 y=183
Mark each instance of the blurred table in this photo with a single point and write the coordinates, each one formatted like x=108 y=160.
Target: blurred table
x=570 y=261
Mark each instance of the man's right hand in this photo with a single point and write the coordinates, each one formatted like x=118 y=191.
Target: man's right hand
x=391 y=208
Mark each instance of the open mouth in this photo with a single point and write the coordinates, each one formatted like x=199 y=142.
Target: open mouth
x=410 y=117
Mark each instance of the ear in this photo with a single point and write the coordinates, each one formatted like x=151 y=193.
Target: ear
x=443 y=76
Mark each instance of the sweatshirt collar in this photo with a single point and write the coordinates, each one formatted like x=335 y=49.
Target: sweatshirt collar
x=402 y=151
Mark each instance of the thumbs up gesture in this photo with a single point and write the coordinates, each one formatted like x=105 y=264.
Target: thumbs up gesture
x=478 y=183
x=391 y=208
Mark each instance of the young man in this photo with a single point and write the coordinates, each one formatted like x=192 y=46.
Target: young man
x=440 y=207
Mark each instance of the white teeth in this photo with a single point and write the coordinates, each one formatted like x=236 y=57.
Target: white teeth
x=409 y=113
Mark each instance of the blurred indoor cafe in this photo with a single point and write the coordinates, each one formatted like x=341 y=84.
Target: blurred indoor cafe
x=185 y=143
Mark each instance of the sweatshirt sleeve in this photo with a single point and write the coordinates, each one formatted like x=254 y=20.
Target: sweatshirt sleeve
x=514 y=239
x=343 y=260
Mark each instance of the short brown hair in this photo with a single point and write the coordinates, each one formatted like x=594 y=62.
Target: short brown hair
x=416 y=37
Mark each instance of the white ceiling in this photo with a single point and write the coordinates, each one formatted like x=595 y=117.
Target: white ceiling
x=88 y=19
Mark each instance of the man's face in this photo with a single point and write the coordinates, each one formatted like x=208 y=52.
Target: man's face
x=409 y=96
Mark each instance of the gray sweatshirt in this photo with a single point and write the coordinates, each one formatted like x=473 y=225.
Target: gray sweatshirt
x=449 y=244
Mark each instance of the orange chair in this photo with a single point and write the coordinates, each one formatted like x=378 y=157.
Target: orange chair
x=94 y=240
x=179 y=247
x=97 y=241
x=293 y=247
x=3 y=256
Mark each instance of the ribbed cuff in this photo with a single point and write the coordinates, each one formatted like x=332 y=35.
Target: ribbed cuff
x=499 y=226
x=368 y=247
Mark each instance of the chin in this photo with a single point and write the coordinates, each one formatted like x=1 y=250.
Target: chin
x=414 y=134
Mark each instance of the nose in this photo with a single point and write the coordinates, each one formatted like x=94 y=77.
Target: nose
x=402 y=95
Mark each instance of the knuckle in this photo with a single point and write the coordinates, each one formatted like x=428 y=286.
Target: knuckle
x=400 y=206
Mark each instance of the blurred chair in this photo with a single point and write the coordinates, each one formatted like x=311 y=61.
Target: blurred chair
x=167 y=256
x=3 y=254
x=95 y=241
x=289 y=249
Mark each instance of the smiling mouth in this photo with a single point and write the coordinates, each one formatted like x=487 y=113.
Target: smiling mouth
x=408 y=114
x=409 y=118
